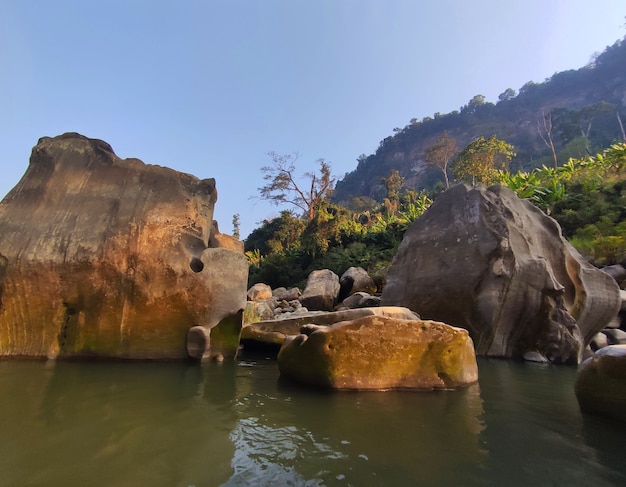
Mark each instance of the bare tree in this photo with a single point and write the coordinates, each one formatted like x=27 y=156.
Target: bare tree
x=544 y=128
x=441 y=153
x=282 y=187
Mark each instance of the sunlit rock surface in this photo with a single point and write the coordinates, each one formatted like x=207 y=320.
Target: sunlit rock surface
x=379 y=353
x=270 y=334
x=487 y=261
x=106 y=257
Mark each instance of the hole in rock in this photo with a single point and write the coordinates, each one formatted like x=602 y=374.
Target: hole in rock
x=196 y=265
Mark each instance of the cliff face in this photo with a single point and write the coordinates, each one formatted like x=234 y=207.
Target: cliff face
x=586 y=101
x=101 y=256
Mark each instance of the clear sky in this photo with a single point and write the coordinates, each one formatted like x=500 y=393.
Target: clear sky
x=209 y=87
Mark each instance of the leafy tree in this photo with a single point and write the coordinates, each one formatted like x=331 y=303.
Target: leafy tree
x=282 y=187
x=236 y=229
x=440 y=154
x=479 y=162
x=507 y=95
x=392 y=184
x=278 y=235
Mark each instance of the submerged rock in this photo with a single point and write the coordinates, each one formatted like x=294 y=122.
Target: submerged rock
x=487 y=261
x=378 y=353
x=104 y=257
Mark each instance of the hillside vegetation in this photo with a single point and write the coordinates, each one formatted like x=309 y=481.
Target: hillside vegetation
x=581 y=108
x=539 y=143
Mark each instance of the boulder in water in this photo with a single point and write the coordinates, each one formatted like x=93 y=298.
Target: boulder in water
x=380 y=353
x=109 y=257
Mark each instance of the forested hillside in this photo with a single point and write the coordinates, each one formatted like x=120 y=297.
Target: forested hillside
x=572 y=114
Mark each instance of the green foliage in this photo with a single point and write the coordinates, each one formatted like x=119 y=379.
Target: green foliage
x=587 y=196
x=579 y=118
x=285 y=250
x=480 y=161
x=278 y=235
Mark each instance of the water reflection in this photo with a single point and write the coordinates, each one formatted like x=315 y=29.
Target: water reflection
x=534 y=429
x=123 y=424
x=120 y=425
x=295 y=436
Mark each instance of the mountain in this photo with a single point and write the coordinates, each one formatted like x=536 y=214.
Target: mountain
x=585 y=108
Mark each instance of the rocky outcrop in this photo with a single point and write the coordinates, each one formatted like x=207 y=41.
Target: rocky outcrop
x=378 y=353
x=484 y=260
x=601 y=383
x=106 y=257
x=269 y=335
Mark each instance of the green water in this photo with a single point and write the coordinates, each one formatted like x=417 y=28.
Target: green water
x=173 y=424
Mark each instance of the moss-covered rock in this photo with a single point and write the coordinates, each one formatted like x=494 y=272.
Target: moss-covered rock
x=378 y=353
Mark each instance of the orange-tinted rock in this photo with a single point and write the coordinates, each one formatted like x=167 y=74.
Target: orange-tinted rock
x=106 y=257
x=377 y=353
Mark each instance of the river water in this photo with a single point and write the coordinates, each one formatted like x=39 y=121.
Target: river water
x=174 y=424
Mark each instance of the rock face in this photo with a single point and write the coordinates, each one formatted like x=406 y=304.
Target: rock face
x=378 y=353
x=484 y=260
x=106 y=257
x=601 y=383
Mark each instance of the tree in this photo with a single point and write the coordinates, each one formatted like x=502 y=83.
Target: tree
x=440 y=154
x=282 y=187
x=479 y=162
x=236 y=229
x=392 y=184
x=507 y=95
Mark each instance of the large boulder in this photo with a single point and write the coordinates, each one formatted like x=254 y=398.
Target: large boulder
x=601 y=383
x=485 y=260
x=321 y=290
x=106 y=257
x=269 y=335
x=377 y=353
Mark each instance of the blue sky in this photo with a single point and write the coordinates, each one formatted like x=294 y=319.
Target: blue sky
x=209 y=87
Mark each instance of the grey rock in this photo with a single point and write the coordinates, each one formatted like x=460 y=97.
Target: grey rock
x=615 y=337
x=321 y=290
x=485 y=260
x=353 y=280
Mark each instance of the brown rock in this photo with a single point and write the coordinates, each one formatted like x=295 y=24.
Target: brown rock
x=484 y=260
x=378 y=353
x=222 y=241
x=259 y=292
x=106 y=257
x=601 y=383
